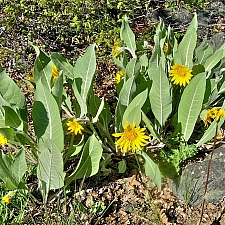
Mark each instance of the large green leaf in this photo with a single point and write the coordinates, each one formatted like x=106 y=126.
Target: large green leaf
x=130 y=68
x=11 y=117
x=215 y=58
x=191 y=104
x=124 y=100
x=42 y=67
x=133 y=111
x=46 y=117
x=126 y=92
x=19 y=166
x=160 y=99
x=185 y=51
x=80 y=103
x=62 y=64
x=5 y=169
x=151 y=169
x=88 y=164
x=127 y=35
x=12 y=172
x=10 y=93
x=85 y=68
x=50 y=168
x=203 y=51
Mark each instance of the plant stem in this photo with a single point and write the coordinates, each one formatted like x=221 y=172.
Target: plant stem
x=208 y=171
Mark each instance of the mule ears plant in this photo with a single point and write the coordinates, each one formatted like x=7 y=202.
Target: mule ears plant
x=13 y=121
x=50 y=99
x=180 y=84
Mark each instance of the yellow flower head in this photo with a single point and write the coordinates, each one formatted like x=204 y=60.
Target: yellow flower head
x=119 y=75
x=74 y=126
x=6 y=199
x=132 y=138
x=214 y=113
x=115 y=49
x=165 y=47
x=30 y=75
x=3 y=140
x=180 y=74
x=55 y=73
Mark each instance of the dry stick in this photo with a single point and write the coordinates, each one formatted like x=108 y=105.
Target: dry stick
x=207 y=178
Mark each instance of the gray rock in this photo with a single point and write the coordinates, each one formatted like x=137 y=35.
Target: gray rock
x=217 y=40
x=191 y=185
x=179 y=19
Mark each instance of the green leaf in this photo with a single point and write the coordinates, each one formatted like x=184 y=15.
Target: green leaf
x=150 y=126
x=196 y=69
x=191 y=104
x=46 y=117
x=50 y=168
x=127 y=35
x=42 y=67
x=133 y=111
x=19 y=166
x=88 y=164
x=125 y=98
x=10 y=93
x=5 y=169
x=160 y=99
x=215 y=58
x=85 y=68
x=210 y=132
x=8 y=133
x=80 y=104
x=126 y=92
x=101 y=106
x=62 y=64
x=185 y=51
x=203 y=51
x=106 y=160
x=151 y=169
x=100 y=110
x=2 y=116
x=57 y=90
x=11 y=117
x=122 y=166
x=143 y=61
x=130 y=68
x=120 y=109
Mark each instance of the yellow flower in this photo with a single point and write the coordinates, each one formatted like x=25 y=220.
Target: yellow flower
x=221 y=112
x=208 y=118
x=115 y=49
x=3 y=140
x=74 y=126
x=30 y=75
x=55 y=73
x=165 y=47
x=212 y=114
x=132 y=138
x=6 y=199
x=119 y=75
x=180 y=74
